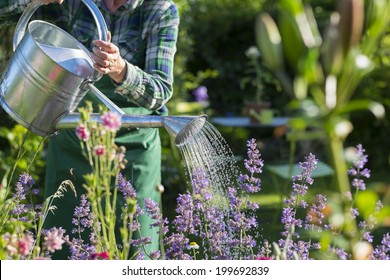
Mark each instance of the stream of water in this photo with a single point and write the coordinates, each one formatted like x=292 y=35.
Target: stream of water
x=207 y=150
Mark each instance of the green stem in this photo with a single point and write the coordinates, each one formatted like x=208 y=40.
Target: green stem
x=342 y=181
x=337 y=154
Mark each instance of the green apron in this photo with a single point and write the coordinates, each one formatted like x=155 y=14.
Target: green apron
x=143 y=153
x=66 y=162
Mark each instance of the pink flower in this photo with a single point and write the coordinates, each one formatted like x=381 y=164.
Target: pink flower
x=82 y=132
x=11 y=243
x=100 y=256
x=99 y=150
x=54 y=240
x=25 y=245
x=263 y=258
x=111 y=121
x=121 y=157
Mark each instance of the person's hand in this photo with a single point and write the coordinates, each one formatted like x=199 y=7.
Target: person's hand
x=46 y=2
x=108 y=59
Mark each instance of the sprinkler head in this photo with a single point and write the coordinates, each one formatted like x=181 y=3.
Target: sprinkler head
x=183 y=129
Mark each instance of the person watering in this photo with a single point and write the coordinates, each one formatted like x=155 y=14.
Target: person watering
x=137 y=63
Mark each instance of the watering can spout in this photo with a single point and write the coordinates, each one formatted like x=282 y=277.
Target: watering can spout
x=181 y=128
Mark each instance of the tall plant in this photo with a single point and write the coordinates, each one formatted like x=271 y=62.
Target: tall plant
x=322 y=72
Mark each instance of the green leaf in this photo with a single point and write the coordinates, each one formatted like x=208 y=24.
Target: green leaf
x=363 y=104
x=269 y=42
x=292 y=6
x=366 y=202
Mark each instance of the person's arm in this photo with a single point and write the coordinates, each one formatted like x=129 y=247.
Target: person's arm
x=11 y=9
x=152 y=87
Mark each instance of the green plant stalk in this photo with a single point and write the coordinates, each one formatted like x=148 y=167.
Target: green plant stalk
x=342 y=181
x=107 y=193
x=113 y=195
x=126 y=236
x=286 y=82
x=259 y=84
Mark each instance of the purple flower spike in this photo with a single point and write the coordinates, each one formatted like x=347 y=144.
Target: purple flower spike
x=358 y=171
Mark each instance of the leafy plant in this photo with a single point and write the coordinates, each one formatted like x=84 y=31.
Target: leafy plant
x=325 y=71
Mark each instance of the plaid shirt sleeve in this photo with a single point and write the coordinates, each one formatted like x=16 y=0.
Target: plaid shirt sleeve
x=8 y=8
x=152 y=87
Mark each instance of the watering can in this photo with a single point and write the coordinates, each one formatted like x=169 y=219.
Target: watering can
x=50 y=72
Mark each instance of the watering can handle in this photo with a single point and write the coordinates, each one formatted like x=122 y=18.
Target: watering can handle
x=21 y=26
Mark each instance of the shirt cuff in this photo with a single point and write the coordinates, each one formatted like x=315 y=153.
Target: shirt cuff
x=131 y=82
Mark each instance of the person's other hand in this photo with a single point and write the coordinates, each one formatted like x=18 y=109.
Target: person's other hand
x=108 y=59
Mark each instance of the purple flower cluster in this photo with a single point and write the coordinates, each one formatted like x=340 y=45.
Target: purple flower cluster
x=382 y=251
x=315 y=214
x=125 y=187
x=223 y=229
x=186 y=221
x=358 y=170
x=296 y=200
x=297 y=248
x=22 y=196
x=82 y=220
x=175 y=245
x=254 y=165
x=200 y=94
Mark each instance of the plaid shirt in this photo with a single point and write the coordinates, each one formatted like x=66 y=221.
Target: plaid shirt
x=149 y=58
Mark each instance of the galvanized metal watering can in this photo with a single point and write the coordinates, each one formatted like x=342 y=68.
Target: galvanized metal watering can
x=49 y=74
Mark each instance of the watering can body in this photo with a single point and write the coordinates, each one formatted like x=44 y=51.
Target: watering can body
x=49 y=74
x=45 y=77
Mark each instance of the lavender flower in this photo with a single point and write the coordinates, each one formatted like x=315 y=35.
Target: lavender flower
x=382 y=252
x=254 y=165
x=153 y=211
x=186 y=220
x=83 y=218
x=175 y=245
x=22 y=208
x=300 y=249
x=79 y=250
x=358 y=171
x=141 y=241
x=300 y=182
x=315 y=213
x=201 y=184
x=155 y=255
x=289 y=220
x=307 y=168
x=125 y=187
x=23 y=186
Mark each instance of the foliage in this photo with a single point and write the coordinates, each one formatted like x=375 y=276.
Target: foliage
x=326 y=70
x=225 y=228
x=21 y=221
x=25 y=147
x=220 y=32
